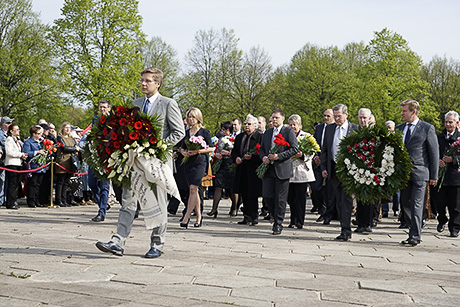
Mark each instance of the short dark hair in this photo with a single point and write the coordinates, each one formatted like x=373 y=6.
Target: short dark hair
x=105 y=101
x=10 y=129
x=226 y=125
x=280 y=112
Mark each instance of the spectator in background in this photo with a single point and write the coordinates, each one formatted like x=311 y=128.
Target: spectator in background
x=13 y=160
x=33 y=146
x=262 y=124
x=5 y=123
x=236 y=122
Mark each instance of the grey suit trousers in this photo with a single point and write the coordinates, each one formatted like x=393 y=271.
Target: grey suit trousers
x=126 y=219
x=412 y=204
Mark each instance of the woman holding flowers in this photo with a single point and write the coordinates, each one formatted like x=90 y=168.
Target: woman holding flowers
x=303 y=172
x=221 y=168
x=33 y=147
x=195 y=148
x=63 y=158
x=13 y=160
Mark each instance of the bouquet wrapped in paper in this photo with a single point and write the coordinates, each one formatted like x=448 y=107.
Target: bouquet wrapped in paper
x=280 y=142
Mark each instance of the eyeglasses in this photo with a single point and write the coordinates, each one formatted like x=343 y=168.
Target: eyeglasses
x=249 y=124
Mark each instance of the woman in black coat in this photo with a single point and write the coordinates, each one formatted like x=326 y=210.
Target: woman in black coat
x=247 y=184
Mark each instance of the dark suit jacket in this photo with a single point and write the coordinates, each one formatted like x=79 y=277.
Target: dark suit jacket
x=452 y=177
x=318 y=133
x=423 y=149
x=283 y=166
x=326 y=151
x=246 y=179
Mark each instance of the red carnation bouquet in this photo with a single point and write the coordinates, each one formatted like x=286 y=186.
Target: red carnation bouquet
x=49 y=147
x=118 y=133
x=280 y=142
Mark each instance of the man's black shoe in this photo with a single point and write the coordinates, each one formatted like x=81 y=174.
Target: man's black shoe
x=368 y=229
x=277 y=229
x=268 y=217
x=153 y=253
x=245 y=221
x=314 y=209
x=403 y=226
x=454 y=234
x=298 y=225
x=263 y=213
x=385 y=214
x=343 y=237
x=440 y=227
x=327 y=221
x=291 y=225
x=360 y=229
x=15 y=207
x=320 y=219
x=98 y=218
x=110 y=247
x=410 y=242
x=254 y=222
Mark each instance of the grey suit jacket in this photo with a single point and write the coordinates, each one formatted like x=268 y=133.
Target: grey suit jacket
x=326 y=151
x=171 y=119
x=423 y=149
x=283 y=166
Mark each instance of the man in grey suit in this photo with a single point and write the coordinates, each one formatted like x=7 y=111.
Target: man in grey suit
x=173 y=132
x=422 y=144
x=332 y=138
x=275 y=183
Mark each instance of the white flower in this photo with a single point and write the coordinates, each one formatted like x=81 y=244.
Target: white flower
x=151 y=151
x=347 y=161
x=361 y=171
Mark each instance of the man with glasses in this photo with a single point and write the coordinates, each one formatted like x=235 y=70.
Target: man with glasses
x=173 y=132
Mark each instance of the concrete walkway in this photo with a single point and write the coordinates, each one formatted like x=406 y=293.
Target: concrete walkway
x=48 y=257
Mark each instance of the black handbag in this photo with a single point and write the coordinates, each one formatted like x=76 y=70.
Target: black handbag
x=76 y=163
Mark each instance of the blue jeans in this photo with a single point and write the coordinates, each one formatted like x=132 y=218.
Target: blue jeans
x=100 y=191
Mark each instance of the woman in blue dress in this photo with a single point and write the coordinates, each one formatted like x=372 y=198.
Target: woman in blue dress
x=196 y=166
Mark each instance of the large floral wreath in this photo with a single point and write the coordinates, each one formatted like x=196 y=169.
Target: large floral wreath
x=112 y=138
x=373 y=164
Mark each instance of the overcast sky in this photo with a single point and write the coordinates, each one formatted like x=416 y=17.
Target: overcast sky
x=283 y=27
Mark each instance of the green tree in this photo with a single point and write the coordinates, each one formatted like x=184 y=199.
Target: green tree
x=28 y=83
x=391 y=75
x=157 y=53
x=98 y=43
x=443 y=77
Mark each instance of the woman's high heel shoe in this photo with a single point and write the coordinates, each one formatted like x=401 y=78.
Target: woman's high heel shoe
x=199 y=225
x=211 y=213
x=185 y=224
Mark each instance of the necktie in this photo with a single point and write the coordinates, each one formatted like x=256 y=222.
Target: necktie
x=408 y=133
x=337 y=140
x=146 y=106
x=275 y=132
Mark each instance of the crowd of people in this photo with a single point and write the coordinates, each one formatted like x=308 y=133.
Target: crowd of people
x=233 y=156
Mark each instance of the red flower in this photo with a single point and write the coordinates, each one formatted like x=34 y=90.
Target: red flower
x=376 y=177
x=371 y=147
x=279 y=140
x=122 y=121
x=372 y=141
x=359 y=154
x=233 y=140
x=120 y=109
x=133 y=135
x=102 y=121
x=372 y=152
x=363 y=158
x=138 y=125
x=356 y=145
x=108 y=150
x=364 y=141
x=369 y=164
x=374 y=170
x=365 y=147
x=349 y=148
x=105 y=131
x=377 y=181
x=117 y=144
x=113 y=136
x=257 y=148
x=372 y=160
x=153 y=140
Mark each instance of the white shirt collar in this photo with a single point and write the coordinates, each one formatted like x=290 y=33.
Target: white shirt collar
x=153 y=97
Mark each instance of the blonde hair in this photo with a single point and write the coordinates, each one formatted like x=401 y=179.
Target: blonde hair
x=61 y=130
x=412 y=104
x=196 y=113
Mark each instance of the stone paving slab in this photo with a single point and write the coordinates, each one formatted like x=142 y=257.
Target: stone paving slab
x=51 y=254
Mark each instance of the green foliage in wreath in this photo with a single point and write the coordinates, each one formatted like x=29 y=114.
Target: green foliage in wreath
x=373 y=163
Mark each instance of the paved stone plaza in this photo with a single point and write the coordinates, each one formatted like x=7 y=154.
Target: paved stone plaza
x=48 y=257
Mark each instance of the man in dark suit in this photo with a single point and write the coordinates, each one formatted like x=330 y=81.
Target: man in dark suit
x=172 y=132
x=275 y=183
x=334 y=135
x=322 y=201
x=449 y=194
x=422 y=144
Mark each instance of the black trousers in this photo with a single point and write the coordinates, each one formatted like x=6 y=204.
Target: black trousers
x=297 y=199
x=33 y=189
x=449 y=197
x=344 y=204
x=364 y=214
x=250 y=206
x=12 y=186
x=275 y=192
x=44 y=193
x=317 y=194
x=62 y=185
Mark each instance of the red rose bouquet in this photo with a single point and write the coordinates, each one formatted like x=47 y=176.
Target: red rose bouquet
x=117 y=134
x=455 y=147
x=280 y=142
